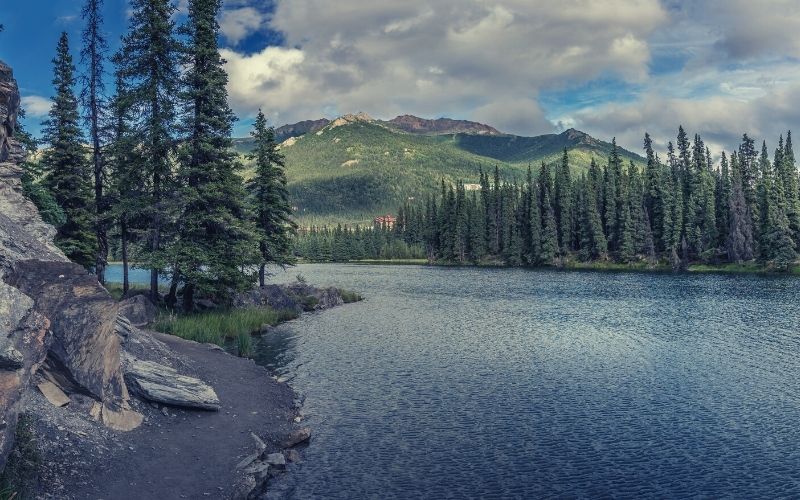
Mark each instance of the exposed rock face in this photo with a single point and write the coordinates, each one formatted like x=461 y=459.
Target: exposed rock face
x=52 y=313
x=415 y=125
x=9 y=107
x=139 y=310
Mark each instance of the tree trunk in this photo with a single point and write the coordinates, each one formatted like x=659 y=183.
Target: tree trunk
x=188 y=298
x=261 y=275
x=125 y=281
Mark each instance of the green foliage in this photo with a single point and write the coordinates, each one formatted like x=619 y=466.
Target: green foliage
x=244 y=345
x=219 y=326
x=352 y=172
x=350 y=297
x=64 y=162
x=270 y=200
x=215 y=240
x=147 y=67
x=555 y=220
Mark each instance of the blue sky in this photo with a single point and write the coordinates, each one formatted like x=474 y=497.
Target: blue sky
x=609 y=67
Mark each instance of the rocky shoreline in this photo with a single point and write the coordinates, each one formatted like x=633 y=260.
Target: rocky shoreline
x=92 y=406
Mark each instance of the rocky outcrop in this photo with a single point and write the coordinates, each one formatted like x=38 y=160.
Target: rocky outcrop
x=9 y=107
x=53 y=315
x=139 y=310
x=298 y=297
x=440 y=126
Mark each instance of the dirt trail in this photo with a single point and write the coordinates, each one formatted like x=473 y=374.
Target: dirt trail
x=176 y=453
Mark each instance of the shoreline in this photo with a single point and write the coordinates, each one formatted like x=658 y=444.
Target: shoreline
x=256 y=435
x=726 y=269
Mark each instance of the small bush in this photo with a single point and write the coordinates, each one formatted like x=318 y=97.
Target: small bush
x=349 y=297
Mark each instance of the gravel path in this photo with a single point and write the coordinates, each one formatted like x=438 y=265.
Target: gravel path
x=175 y=453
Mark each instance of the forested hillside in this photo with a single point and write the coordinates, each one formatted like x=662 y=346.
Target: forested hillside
x=355 y=168
x=671 y=213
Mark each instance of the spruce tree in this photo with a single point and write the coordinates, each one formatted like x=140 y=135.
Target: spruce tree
x=64 y=162
x=778 y=246
x=548 y=254
x=215 y=240
x=93 y=55
x=563 y=204
x=271 y=207
x=740 y=235
x=128 y=186
x=148 y=64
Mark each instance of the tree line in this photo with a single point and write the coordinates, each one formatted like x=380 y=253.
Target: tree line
x=671 y=212
x=152 y=166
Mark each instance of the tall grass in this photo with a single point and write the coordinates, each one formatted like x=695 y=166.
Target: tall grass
x=216 y=327
x=349 y=297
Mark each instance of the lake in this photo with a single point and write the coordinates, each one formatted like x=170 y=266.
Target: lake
x=499 y=383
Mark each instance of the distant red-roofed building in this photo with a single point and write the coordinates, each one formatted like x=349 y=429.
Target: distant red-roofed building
x=385 y=221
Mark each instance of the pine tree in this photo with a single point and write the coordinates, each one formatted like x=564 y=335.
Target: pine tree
x=148 y=64
x=533 y=242
x=653 y=191
x=723 y=194
x=128 y=185
x=271 y=207
x=791 y=187
x=549 y=247
x=92 y=57
x=740 y=235
x=65 y=163
x=563 y=204
x=598 y=244
x=215 y=241
x=778 y=247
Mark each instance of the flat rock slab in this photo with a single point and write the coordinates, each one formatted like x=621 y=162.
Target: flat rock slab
x=53 y=394
x=163 y=384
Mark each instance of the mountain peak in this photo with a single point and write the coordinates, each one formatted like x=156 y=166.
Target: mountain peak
x=575 y=136
x=440 y=126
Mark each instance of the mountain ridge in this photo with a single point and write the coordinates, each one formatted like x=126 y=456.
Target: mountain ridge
x=355 y=167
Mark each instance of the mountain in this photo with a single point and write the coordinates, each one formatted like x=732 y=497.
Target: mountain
x=355 y=167
x=245 y=144
x=415 y=125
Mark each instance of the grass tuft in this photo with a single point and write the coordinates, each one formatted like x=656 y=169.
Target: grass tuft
x=349 y=296
x=216 y=327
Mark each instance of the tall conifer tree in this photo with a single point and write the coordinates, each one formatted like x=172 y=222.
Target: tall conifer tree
x=148 y=65
x=93 y=55
x=215 y=240
x=271 y=207
x=64 y=162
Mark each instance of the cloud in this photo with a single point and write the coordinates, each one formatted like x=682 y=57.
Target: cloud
x=36 y=106
x=720 y=120
x=459 y=58
x=238 y=24
x=516 y=116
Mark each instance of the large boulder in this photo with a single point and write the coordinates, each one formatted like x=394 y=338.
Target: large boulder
x=163 y=384
x=9 y=108
x=139 y=310
x=53 y=315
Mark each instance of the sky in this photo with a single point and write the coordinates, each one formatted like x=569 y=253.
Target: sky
x=612 y=68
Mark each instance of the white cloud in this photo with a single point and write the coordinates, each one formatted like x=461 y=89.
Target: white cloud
x=36 y=106
x=238 y=24
x=458 y=58
x=490 y=60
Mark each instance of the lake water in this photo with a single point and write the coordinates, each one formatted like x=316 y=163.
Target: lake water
x=491 y=383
